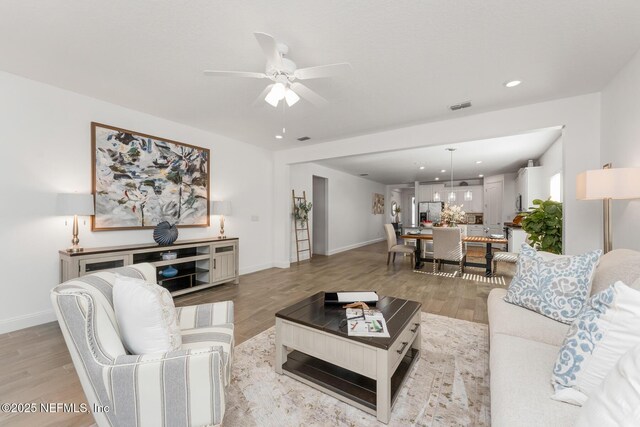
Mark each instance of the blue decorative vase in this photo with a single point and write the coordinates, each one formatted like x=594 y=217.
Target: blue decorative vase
x=165 y=233
x=169 y=272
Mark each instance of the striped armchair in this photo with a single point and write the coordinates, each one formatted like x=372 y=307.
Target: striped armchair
x=180 y=388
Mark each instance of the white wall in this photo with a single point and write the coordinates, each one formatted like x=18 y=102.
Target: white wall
x=620 y=144
x=45 y=137
x=351 y=221
x=551 y=162
x=579 y=115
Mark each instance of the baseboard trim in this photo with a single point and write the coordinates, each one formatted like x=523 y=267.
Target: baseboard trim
x=26 y=321
x=254 y=268
x=355 y=246
x=305 y=256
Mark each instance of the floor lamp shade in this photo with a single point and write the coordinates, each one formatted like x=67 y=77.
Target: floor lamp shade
x=608 y=184
x=617 y=184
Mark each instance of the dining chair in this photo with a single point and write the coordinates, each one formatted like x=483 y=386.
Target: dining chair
x=447 y=246
x=393 y=247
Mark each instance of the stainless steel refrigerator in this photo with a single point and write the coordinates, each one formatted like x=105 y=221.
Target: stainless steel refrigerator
x=430 y=211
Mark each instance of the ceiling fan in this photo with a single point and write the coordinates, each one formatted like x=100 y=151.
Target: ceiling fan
x=285 y=75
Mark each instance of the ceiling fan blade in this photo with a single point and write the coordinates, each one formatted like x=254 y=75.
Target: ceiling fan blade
x=260 y=99
x=309 y=95
x=270 y=49
x=235 y=74
x=322 y=71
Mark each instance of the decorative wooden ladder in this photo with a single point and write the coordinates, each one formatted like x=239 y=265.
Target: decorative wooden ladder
x=304 y=224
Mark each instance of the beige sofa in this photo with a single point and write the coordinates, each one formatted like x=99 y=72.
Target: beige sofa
x=524 y=346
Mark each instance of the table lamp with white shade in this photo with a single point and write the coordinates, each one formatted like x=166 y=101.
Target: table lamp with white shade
x=222 y=208
x=77 y=205
x=608 y=184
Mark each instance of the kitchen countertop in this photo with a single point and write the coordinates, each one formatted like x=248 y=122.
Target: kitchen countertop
x=512 y=225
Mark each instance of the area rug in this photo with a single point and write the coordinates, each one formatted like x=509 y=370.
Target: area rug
x=448 y=386
x=494 y=280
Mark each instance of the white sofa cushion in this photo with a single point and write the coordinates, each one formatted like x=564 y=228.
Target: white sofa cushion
x=509 y=319
x=146 y=316
x=556 y=288
x=618 y=265
x=617 y=401
x=607 y=327
x=520 y=386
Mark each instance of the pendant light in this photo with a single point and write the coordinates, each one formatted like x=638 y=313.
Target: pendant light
x=452 y=194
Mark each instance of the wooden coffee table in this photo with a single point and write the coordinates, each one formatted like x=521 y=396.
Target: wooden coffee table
x=368 y=373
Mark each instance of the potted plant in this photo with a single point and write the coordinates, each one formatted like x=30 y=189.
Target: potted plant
x=301 y=210
x=544 y=226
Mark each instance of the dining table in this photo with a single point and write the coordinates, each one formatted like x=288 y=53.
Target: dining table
x=486 y=240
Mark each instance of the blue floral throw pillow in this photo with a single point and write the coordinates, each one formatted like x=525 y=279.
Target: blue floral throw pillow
x=556 y=287
x=607 y=327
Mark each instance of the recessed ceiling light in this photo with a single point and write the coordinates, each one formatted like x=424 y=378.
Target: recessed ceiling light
x=443 y=171
x=437 y=179
x=478 y=162
x=480 y=176
x=421 y=167
x=512 y=83
x=278 y=136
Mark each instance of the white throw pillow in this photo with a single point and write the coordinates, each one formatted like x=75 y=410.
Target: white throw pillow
x=146 y=316
x=607 y=327
x=617 y=400
x=554 y=286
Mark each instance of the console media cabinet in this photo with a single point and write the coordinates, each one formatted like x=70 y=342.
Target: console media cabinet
x=201 y=263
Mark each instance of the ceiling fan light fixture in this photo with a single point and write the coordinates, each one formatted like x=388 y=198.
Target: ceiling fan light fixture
x=271 y=99
x=291 y=97
x=276 y=94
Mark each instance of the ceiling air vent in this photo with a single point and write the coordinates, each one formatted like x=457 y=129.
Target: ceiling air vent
x=364 y=174
x=304 y=138
x=460 y=106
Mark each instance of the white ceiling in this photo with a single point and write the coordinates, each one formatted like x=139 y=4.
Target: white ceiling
x=411 y=59
x=498 y=155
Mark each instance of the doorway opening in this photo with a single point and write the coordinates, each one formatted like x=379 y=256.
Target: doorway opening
x=320 y=215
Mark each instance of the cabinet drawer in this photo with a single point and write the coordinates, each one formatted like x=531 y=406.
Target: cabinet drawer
x=404 y=341
x=103 y=263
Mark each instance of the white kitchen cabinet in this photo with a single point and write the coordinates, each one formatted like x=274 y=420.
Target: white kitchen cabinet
x=529 y=186
x=517 y=236
x=424 y=193
x=475 y=204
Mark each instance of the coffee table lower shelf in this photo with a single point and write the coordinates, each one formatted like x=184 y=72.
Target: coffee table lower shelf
x=357 y=388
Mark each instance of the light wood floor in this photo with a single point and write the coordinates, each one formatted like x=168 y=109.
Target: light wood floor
x=35 y=365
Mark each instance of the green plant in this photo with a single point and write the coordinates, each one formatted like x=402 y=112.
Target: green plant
x=301 y=210
x=544 y=226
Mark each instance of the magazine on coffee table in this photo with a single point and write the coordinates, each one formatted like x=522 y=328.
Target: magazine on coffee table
x=366 y=323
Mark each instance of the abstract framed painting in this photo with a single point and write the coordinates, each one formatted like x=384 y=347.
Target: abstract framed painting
x=140 y=180
x=378 y=204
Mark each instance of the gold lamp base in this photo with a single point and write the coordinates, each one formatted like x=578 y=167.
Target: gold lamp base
x=75 y=248
x=222 y=236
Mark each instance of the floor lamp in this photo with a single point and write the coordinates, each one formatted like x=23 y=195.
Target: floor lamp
x=608 y=184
